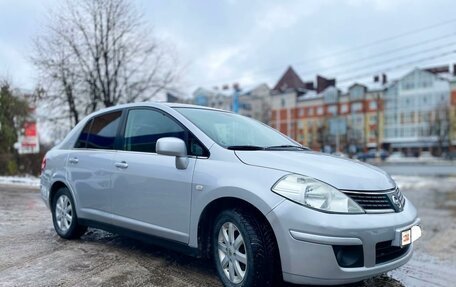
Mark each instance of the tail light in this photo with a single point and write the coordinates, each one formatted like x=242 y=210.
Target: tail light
x=43 y=164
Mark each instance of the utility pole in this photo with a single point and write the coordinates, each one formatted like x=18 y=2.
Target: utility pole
x=236 y=94
x=377 y=133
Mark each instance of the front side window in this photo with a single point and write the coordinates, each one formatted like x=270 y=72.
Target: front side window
x=231 y=130
x=100 y=132
x=145 y=127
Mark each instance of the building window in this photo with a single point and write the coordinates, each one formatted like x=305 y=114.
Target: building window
x=344 y=108
x=373 y=119
x=320 y=111
x=372 y=105
x=310 y=112
x=282 y=102
x=356 y=93
x=356 y=107
x=332 y=110
x=301 y=112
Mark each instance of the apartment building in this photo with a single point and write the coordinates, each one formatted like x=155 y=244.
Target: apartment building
x=322 y=117
x=420 y=111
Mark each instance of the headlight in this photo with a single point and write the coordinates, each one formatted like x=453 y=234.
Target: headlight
x=310 y=192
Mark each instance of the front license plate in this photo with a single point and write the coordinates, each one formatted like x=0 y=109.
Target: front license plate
x=406 y=237
x=410 y=235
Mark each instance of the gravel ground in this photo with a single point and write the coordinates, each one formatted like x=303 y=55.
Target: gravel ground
x=31 y=254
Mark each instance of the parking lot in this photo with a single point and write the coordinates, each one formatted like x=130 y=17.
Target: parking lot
x=31 y=254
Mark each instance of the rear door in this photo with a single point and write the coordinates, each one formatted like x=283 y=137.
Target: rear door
x=150 y=194
x=90 y=166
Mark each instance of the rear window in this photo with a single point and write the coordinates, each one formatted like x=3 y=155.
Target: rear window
x=100 y=133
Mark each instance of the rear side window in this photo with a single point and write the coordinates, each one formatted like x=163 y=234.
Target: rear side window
x=100 y=133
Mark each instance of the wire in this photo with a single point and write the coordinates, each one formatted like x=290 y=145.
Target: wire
x=384 y=40
x=399 y=49
x=394 y=59
x=397 y=66
x=341 y=52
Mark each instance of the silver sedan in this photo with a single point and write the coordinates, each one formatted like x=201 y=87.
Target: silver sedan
x=216 y=184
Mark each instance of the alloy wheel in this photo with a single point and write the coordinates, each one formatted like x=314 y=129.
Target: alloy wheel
x=63 y=213
x=232 y=253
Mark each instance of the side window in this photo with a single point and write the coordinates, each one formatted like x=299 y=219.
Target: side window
x=145 y=127
x=82 y=140
x=103 y=131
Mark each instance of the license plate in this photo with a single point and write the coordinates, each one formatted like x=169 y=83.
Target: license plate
x=410 y=235
x=406 y=237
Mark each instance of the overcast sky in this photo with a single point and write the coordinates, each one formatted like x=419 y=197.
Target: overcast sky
x=252 y=42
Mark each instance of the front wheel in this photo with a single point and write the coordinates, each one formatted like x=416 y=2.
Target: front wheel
x=64 y=215
x=243 y=250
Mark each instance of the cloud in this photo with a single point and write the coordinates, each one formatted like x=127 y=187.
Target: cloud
x=283 y=15
x=380 y=5
x=15 y=67
x=220 y=58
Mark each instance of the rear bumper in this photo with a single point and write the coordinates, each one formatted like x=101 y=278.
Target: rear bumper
x=306 y=240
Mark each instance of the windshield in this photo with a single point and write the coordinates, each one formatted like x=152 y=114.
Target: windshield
x=235 y=131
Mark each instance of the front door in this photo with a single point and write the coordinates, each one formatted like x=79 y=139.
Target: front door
x=150 y=194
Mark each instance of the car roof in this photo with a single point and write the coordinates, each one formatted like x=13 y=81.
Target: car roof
x=157 y=105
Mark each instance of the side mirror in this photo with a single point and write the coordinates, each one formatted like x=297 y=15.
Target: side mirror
x=173 y=147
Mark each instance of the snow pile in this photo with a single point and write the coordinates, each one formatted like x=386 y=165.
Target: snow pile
x=22 y=181
x=420 y=182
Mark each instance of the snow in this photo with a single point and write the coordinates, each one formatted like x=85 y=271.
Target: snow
x=29 y=181
x=447 y=184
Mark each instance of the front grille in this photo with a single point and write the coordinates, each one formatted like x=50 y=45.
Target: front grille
x=378 y=201
x=385 y=252
x=371 y=200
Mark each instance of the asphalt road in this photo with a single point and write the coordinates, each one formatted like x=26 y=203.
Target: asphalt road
x=31 y=254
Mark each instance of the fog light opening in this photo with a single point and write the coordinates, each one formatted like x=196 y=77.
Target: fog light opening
x=349 y=256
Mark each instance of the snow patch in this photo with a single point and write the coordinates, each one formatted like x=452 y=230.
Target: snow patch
x=447 y=184
x=19 y=180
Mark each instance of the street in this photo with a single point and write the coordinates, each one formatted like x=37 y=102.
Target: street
x=31 y=254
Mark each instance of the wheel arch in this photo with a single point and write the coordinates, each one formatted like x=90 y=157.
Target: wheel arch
x=55 y=186
x=209 y=213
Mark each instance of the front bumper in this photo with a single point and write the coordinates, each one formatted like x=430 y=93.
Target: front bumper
x=306 y=239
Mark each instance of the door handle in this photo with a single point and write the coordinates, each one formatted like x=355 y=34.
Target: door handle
x=121 y=164
x=73 y=160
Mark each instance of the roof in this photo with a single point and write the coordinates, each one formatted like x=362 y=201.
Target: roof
x=289 y=80
x=310 y=95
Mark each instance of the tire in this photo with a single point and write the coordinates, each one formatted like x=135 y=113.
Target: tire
x=64 y=215
x=258 y=246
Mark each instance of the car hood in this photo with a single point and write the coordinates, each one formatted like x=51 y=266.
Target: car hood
x=344 y=174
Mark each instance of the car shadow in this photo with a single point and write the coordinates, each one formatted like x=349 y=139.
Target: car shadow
x=197 y=271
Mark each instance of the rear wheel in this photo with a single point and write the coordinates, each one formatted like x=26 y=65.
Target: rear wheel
x=64 y=215
x=243 y=250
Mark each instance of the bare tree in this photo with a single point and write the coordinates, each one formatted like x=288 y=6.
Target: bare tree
x=99 y=53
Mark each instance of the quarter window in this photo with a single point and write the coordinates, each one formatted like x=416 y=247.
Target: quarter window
x=82 y=140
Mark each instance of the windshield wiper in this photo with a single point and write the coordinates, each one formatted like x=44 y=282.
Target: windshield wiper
x=285 y=147
x=245 y=147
